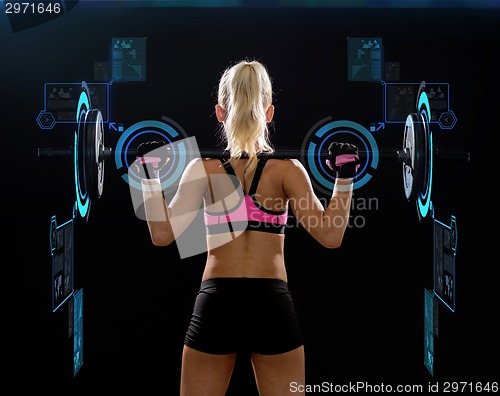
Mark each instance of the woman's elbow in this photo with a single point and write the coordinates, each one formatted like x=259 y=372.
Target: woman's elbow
x=333 y=244
x=161 y=237
x=160 y=241
x=332 y=241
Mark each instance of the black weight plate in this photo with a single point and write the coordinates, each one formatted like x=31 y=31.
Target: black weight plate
x=414 y=145
x=80 y=158
x=94 y=143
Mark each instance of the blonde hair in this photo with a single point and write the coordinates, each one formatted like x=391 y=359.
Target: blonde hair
x=245 y=95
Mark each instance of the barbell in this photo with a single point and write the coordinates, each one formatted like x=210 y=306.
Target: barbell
x=90 y=153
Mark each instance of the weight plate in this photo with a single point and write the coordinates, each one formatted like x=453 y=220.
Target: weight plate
x=94 y=145
x=81 y=153
x=99 y=158
x=82 y=198
x=423 y=200
x=408 y=149
x=415 y=164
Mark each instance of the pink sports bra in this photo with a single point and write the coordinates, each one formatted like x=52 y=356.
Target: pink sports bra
x=248 y=215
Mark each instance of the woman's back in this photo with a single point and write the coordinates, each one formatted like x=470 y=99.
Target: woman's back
x=251 y=253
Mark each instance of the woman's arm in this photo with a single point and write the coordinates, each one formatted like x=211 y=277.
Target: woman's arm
x=166 y=222
x=326 y=225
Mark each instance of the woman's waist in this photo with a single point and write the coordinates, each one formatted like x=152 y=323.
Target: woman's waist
x=243 y=285
x=236 y=266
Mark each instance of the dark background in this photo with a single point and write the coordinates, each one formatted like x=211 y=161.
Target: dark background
x=361 y=306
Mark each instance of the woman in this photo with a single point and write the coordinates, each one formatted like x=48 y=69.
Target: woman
x=244 y=302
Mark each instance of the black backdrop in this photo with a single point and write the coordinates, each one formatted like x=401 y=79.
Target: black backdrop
x=361 y=306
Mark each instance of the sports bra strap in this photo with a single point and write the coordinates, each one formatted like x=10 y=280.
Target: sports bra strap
x=256 y=177
x=227 y=166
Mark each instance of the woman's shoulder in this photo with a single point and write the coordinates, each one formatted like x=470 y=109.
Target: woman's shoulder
x=215 y=165
x=285 y=164
x=212 y=165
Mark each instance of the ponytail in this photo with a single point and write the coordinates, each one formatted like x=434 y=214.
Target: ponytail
x=245 y=94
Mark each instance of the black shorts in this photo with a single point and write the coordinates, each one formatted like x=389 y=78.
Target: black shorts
x=249 y=314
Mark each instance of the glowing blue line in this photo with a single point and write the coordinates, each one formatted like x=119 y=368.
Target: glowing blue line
x=62 y=302
x=63 y=224
x=444 y=302
x=84 y=100
x=424 y=100
x=82 y=208
x=424 y=207
x=443 y=224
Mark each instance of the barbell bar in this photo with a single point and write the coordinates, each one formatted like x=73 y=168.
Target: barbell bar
x=416 y=156
x=108 y=152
